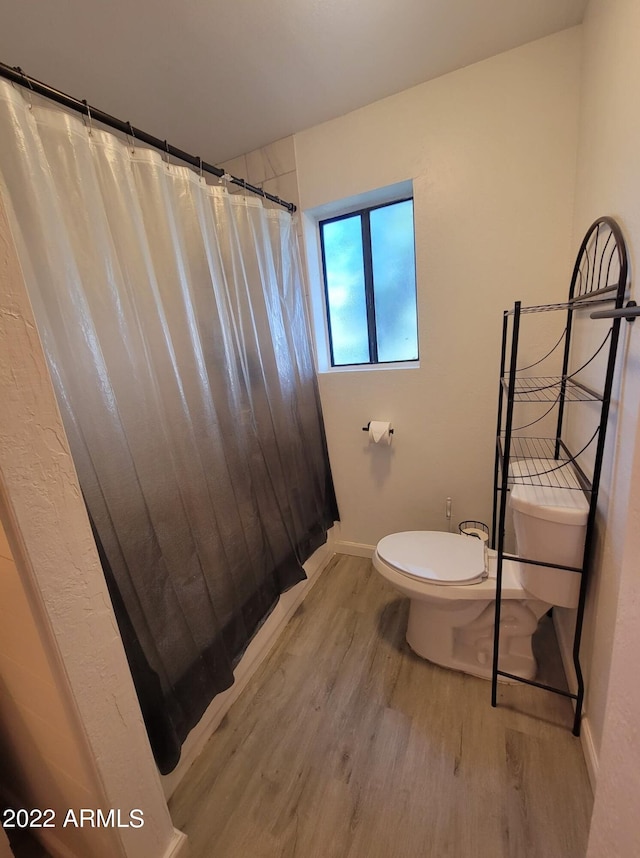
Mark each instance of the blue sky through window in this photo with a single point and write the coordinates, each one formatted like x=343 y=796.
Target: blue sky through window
x=345 y=291
x=394 y=279
x=369 y=260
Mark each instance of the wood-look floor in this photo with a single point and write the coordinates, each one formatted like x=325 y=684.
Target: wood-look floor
x=347 y=745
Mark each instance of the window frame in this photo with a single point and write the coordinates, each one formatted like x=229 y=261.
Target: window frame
x=369 y=289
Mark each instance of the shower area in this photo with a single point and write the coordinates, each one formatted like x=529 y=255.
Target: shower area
x=172 y=317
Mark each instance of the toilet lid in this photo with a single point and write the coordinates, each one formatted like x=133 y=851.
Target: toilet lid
x=434 y=556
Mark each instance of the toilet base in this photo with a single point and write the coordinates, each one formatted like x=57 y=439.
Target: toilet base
x=459 y=635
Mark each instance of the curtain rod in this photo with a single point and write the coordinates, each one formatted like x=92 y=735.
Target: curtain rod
x=16 y=75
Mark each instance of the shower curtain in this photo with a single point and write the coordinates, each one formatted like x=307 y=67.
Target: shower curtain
x=172 y=317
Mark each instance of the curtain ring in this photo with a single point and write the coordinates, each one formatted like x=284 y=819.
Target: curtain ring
x=90 y=125
x=200 y=160
x=28 y=84
x=133 y=138
x=246 y=193
x=166 y=147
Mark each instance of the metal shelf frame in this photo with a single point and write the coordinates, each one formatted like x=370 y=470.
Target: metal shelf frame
x=599 y=276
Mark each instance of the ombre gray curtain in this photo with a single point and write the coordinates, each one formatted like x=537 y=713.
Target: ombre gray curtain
x=172 y=317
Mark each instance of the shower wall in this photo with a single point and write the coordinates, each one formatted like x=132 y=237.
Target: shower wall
x=272 y=168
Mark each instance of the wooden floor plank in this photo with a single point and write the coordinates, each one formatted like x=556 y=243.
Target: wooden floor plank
x=345 y=744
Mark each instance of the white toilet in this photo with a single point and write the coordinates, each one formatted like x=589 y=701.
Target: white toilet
x=450 y=580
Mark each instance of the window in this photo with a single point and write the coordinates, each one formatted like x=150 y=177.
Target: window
x=368 y=260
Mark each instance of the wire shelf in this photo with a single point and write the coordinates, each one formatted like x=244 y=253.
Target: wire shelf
x=549 y=389
x=533 y=462
x=587 y=300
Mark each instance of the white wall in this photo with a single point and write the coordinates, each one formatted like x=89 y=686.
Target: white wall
x=608 y=182
x=491 y=152
x=615 y=825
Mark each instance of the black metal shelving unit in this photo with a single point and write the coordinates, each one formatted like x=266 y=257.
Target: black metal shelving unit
x=599 y=278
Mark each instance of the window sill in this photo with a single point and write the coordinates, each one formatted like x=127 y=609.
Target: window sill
x=371 y=367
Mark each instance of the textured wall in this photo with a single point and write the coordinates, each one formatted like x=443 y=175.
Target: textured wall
x=42 y=750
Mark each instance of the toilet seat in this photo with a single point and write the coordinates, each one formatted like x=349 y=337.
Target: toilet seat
x=434 y=557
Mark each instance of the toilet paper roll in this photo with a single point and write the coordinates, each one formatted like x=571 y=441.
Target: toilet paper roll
x=379 y=433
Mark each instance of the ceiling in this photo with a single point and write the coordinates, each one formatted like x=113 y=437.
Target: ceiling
x=222 y=77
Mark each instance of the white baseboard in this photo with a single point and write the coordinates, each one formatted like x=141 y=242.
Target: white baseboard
x=179 y=846
x=255 y=653
x=564 y=635
x=590 y=753
x=355 y=549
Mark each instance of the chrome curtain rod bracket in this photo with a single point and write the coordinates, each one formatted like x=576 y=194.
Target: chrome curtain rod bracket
x=18 y=76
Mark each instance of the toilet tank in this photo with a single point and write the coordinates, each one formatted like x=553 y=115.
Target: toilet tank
x=550 y=525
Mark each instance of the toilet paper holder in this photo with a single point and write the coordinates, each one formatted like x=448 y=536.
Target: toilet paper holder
x=366 y=428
